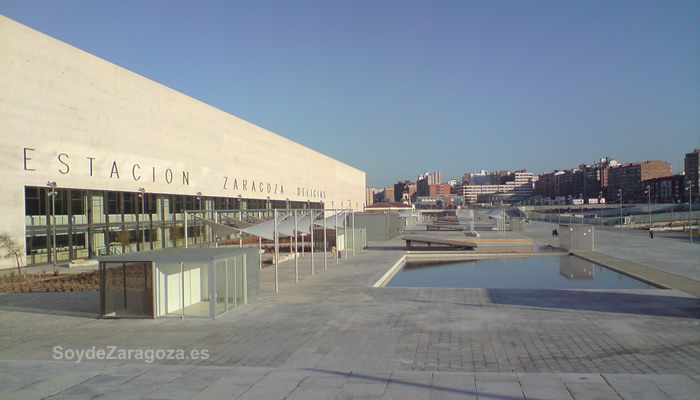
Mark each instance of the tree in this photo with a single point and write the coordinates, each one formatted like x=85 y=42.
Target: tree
x=176 y=233
x=12 y=249
x=124 y=238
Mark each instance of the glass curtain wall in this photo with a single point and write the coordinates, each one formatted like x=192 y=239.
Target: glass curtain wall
x=92 y=223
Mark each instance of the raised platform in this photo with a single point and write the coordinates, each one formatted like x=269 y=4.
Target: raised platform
x=447 y=227
x=431 y=243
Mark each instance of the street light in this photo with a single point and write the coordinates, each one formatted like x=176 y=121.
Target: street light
x=619 y=194
x=52 y=185
x=649 y=204
x=201 y=207
x=142 y=195
x=600 y=201
x=690 y=211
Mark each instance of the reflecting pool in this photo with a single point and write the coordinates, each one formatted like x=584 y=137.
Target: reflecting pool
x=551 y=272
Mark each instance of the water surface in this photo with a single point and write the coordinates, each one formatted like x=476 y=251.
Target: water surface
x=555 y=272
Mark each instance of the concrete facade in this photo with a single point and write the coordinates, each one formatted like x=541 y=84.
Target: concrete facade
x=379 y=226
x=576 y=237
x=75 y=119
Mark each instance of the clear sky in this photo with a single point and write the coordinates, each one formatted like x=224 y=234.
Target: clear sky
x=396 y=88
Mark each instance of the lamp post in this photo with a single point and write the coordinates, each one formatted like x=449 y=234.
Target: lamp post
x=52 y=185
x=619 y=194
x=600 y=201
x=690 y=212
x=649 y=204
x=199 y=196
x=142 y=195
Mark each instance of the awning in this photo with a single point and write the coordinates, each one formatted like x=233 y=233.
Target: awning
x=219 y=230
x=286 y=227
x=330 y=221
x=236 y=222
x=266 y=229
x=498 y=214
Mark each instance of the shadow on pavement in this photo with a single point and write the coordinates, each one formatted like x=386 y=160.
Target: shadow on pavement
x=627 y=303
x=403 y=382
x=74 y=304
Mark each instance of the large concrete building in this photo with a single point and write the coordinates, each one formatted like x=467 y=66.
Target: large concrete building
x=107 y=136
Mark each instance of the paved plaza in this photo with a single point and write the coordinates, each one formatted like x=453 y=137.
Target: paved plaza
x=334 y=336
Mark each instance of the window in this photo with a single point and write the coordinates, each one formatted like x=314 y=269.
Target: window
x=129 y=203
x=112 y=203
x=35 y=201
x=177 y=205
x=77 y=202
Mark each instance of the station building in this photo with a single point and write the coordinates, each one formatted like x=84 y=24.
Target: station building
x=126 y=156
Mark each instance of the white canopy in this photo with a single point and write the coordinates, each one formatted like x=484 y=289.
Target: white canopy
x=219 y=230
x=236 y=222
x=266 y=229
x=286 y=227
x=330 y=220
x=498 y=214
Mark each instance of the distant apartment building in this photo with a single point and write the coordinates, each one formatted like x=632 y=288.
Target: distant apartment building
x=691 y=166
x=524 y=184
x=667 y=189
x=425 y=181
x=471 y=193
x=388 y=196
x=370 y=194
x=439 y=189
x=480 y=178
x=628 y=177
x=545 y=185
x=586 y=181
x=501 y=186
x=556 y=184
x=385 y=195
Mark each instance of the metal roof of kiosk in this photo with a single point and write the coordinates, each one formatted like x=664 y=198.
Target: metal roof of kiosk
x=171 y=255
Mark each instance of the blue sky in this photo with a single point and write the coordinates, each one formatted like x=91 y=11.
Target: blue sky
x=396 y=88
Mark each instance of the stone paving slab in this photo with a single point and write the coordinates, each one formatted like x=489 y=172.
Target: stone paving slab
x=333 y=335
x=665 y=253
x=292 y=383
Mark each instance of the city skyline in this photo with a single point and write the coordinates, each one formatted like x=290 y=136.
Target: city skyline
x=398 y=88
x=597 y=160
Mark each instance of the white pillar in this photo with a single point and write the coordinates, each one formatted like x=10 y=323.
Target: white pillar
x=353 y=232
x=277 y=260
x=345 y=233
x=296 y=249
x=311 y=224
x=186 y=240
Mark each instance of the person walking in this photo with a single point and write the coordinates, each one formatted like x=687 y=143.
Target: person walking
x=651 y=233
x=333 y=253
